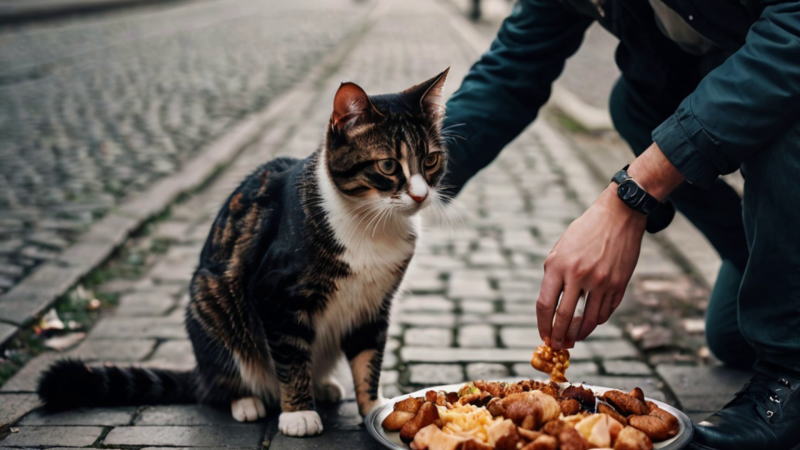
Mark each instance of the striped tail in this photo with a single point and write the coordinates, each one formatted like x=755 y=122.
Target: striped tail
x=70 y=384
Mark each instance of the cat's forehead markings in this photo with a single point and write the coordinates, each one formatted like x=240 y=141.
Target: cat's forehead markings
x=360 y=129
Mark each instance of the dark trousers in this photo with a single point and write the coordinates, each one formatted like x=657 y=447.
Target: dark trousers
x=754 y=309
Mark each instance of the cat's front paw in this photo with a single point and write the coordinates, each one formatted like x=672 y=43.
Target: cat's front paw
x=300 y=423
x=248 y=409
x=329 y=391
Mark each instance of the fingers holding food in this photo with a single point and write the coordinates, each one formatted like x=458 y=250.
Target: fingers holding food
x=552 y=362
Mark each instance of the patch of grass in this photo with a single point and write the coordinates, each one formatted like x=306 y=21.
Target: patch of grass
x=568 y=123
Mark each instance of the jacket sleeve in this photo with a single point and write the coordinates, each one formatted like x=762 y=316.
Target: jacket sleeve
x=740 y=106
x=503 y=91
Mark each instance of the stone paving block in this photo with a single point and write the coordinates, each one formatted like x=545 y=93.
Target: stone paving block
x=15 y=406
x=145 y=303
x=85 y=416
x=433 y=374
x=202 y=436
x=445 y=320
x=389 y=377
x=416 y=303
x=36 y=436
x=177 y=355
x=7 y=331
x=606 y=331
x=139 y=327
x=477 y=306
x=469 y=284
x=423 y=281
x=428 y=337
x=476 y=336
x=456 y=355
x=484 y=371
x=327 y=441
x=437 y=262
x=513 y=319
x=487 y=258
x=187 y=415
x=693 y=381
x=526 y=309
x=613 y=349
x=26 y=378
x=621 y=367
x=114 y=349
x=704 y=403
x=525 y=337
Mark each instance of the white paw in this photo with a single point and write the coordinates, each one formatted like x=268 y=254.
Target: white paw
x=248 y=409
x=300 y=423
x=371 y=405
x=329 y=391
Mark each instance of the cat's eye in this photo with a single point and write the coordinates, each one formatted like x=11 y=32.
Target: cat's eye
x=387 y=166
x=432 y=160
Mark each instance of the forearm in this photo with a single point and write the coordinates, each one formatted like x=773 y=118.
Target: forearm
x=653 y=171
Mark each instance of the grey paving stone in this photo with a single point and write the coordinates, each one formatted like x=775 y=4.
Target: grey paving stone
x=469 y=284
x=37 y=436
x=693 y=381
x=423 y=281
x=16 y=406
x=477 y=306
x=7 y=331
x=613 y=349
x=487 y=258
x=26 y=378
x=145 y=303
x=703 y=403
x=455 y=355
x=88 y=416
x=484 y=371
x=432 y=374
x=188 y=415
x=202 y=436
x=428 y=337
x=434 y=303
x=524 y=337
x=606 y=331
x=139 y=327
x=621 y=367
x=114 y=349
x=476 y=336
x=177 y=355
x=328 y=440
x=443 y=320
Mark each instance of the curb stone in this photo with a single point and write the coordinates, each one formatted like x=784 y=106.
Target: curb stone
x=15 y=12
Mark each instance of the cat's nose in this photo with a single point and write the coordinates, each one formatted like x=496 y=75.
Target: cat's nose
x=418 y=188
x=417 y=198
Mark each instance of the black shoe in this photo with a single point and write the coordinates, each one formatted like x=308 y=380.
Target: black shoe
x=763 y=415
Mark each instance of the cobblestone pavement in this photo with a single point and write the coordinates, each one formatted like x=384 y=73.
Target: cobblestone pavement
x=95 y=108
x=467 y=311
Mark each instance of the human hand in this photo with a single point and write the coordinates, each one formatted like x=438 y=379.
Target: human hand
x=595 y=257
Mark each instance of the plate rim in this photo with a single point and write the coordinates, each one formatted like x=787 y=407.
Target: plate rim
x=375 y=429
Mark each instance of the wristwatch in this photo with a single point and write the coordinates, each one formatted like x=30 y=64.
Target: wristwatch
x=632 y=194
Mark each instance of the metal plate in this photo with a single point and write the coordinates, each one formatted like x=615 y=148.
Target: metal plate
x=392 y=439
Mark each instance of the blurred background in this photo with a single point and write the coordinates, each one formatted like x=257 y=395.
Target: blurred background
x=125 y=123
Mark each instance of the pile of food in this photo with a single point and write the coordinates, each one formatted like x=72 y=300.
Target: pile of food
x=531 y=415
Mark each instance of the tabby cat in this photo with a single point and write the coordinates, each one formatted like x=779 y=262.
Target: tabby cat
x=300 y=266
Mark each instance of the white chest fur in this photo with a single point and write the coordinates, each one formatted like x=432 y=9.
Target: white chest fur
x=373 y=257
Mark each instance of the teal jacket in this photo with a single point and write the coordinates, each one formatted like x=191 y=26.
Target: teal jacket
x=718 y=108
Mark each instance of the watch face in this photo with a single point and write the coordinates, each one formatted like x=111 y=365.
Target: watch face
x=626 y=190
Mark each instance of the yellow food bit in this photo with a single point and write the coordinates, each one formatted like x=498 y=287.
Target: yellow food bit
x=468 y=421
x=552 y=362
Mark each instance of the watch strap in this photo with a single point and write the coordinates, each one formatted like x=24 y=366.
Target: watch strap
x=642 y=201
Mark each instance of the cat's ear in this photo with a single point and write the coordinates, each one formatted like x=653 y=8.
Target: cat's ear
x=428 y=95
x=350 y=104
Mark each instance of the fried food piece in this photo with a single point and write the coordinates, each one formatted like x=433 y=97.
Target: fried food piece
x=495 y=388
x=599 y=430
x=613 y=413
x=537 y=404
x=396 y=419
x=403 y=411
x=570 y=439
x=543 y=442
x=426 y=415
x=630 y=403
x=581 y=394
x=632 y=439
x=552 y=362
x=658 y=424
x=569 y=406
x=503 y=435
